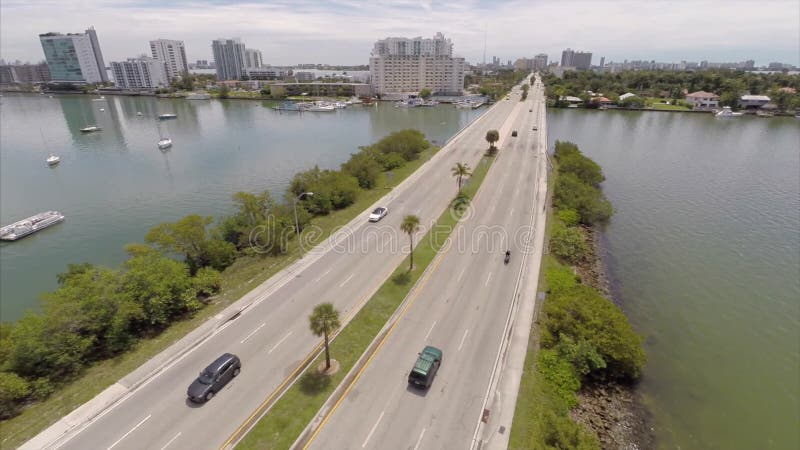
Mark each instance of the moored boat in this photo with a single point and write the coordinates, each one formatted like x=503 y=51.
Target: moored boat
x=167 y=116
x=165 y=143
x=90 y=129
x=52 y=160
x=30 y=225
x=726 y=112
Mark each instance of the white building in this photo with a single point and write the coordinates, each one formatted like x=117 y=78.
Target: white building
x=403 y=66
x=172 y=54
x=252 y=59
x=703 y=100
x=74 y=57
x=139 y=73
x=753 y=101
x=229 y=56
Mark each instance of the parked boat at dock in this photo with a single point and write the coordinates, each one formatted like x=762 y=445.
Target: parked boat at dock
x=30 y=225
x=167 y=116
x=726 y=112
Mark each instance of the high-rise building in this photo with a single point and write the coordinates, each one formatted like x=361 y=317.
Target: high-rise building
x=140 y=73
x=540 y=61
x=402 y=65
x=24 y=73
x=578 y=60
x=229 y=57
x=74 y=57
x=566 y=57
x=252 y=58
x=173 y=54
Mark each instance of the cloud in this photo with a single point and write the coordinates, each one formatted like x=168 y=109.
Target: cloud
x=343 y=31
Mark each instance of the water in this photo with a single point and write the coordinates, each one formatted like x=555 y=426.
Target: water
x=704 y=250
x=114 y=185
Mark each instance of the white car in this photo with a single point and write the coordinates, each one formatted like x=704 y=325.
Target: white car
x=378 y=214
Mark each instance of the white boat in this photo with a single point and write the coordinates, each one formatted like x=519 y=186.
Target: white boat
x=99 y=99
x=321 y=107
x=138 y=113
x=90 y=129
x=30 y=225
x=167 y=116
x=52 y=160
x=165 y=143
x=355 y=100
x=102 y=109
x=198 y=96
x=726 y=112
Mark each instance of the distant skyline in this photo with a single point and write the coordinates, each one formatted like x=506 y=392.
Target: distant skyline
x=290 y=32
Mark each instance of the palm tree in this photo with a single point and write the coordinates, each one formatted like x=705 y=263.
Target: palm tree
x=410 y=226
x=461 y=170
x=323 y=321
x=492 y=136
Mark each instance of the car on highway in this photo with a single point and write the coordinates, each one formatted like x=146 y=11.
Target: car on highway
x=424 y=370
x=534 y=128
x=214 y=378
x=514 y=133
x=378 y=214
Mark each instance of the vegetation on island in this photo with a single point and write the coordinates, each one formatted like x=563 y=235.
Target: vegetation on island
x=98 y=313
x=584 y=339
x=495 y=84
x=659 y=87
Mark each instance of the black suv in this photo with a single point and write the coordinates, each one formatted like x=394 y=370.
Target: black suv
x=214 y=378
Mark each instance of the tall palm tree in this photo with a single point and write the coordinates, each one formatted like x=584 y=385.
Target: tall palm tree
x=323 y=321
x=410 y=226
x=461 y=170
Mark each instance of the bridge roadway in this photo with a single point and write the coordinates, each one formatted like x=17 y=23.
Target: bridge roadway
x=463 y=310
x=271 y=336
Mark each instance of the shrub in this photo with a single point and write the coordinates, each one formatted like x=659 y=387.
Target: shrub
x=560 y=374
x=559 y=279
x=588 y=201
x=407 y=143
x=569 y=217
x=207 y=282
x=390 y=161
x=13 y=390
x=568 y=243
x=364 y=167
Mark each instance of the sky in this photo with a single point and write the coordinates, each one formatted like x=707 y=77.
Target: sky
x=290 y=32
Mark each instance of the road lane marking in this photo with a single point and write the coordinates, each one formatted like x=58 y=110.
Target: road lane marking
x=419 y=441
x=348 y=279
x=170 y=441
x=129 y=432
x=429 y=331
x=320 y=277
x=511 y=213
x=252 y=333
x=372 y=430
x=501 y=189
x=461 y=274
x=488 y=279
x=279 y=342
x=464 y=337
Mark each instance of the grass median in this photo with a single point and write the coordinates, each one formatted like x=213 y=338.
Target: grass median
x=238 y=279
x=284 y=422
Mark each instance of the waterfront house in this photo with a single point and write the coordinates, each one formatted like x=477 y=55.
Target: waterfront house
x=753 y=101
x=703 y=100
x=626 y=95
x=570 y=99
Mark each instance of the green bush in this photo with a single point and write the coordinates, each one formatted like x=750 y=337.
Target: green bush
x=560 y=278
x=568 y=243
x=560 y=373
x=390 y=161
x=13 y=390
x=207 y=282
x=332 y=189
x=407 y=143
x=364 y=167
x=569 y=217
x=561 y=432
x=571 y=193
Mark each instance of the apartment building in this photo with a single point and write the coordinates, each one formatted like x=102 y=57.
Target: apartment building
x=406 y=66
x=24 y=73
x=173 y=54
x=140 y=74
x=74 y=57
x=578 y=60
x=229 y=57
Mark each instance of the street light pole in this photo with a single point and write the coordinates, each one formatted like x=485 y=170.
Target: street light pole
x=297 y=223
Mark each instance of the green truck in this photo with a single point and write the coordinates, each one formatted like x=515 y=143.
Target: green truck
x=428 y=363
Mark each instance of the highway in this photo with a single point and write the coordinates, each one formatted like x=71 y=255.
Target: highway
x=463 y=310
x=272 y=337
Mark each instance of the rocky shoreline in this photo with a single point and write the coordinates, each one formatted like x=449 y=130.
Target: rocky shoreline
x=615 y=412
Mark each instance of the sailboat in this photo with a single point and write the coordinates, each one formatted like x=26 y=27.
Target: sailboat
x=163 y=142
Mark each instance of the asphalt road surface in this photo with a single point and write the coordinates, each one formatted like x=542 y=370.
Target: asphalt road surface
x=272 y=336
x=462 y=310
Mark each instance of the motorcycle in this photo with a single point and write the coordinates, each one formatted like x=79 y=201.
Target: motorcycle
x=508 y=256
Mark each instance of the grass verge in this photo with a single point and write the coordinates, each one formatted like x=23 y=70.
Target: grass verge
x=282 y=425
x=238 y=279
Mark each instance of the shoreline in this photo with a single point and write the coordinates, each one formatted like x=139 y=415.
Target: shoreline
x=615 y=412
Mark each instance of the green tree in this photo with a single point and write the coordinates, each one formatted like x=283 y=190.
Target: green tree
x=492 y=136
x=364 y=167
x=13 y=390
x=224 y=91
x=568 y=243
x=41 y=348
x=408 y=143
x=461 y=170
x=190 y=237
x=410 y=225
x=323 y=321
x=425 y=93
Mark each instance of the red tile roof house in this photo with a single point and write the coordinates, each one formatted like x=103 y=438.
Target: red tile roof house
x=703 y=100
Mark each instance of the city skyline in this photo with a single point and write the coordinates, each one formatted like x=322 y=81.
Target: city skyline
x=337 y=32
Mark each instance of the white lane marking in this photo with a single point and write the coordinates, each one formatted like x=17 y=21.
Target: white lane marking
x=461 y=274
x=491 y=211
x=348 y=279
x=419 y=441
x=320 y=277
x=429 y=331
x=487 y=279
x=279 y=342
x=129 y=432
x=501 y=189
x=462 y=339
x=511 y=213
x=252 y=333
x=170 y=441
x=372 y=430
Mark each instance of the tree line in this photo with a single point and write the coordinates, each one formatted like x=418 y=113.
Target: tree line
x=730 y=85
x=585 y=338
x=97 y=313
